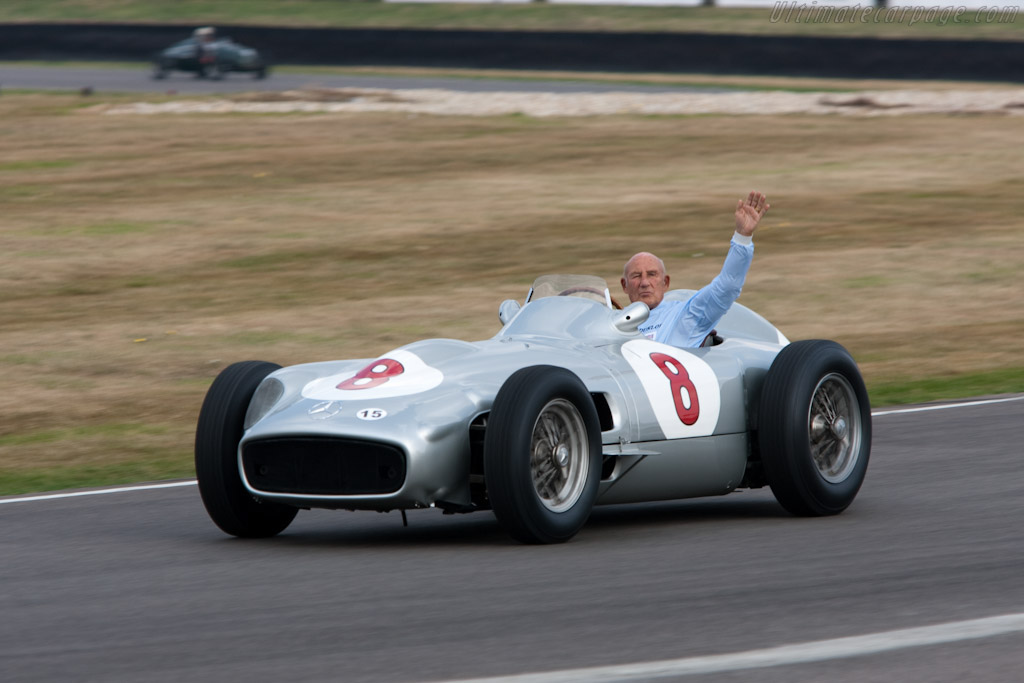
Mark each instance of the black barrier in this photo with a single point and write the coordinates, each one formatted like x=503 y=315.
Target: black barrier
x=538 y=50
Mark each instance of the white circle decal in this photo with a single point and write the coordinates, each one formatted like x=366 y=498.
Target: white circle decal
x=682 y=388
x=371 y=414
x=399 y=373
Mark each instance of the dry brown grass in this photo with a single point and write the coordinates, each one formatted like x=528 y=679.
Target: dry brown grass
x=305 y=237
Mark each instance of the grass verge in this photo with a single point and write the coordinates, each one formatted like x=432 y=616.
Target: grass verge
x=148 y=252
x=890 y=393
x=862 y=20
x=16 y=481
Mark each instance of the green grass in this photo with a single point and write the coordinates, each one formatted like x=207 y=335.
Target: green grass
x=533 y=16
x=14 y=482
x=22 y=166
x=105 y=431
x=896 y=392
x=155 y=454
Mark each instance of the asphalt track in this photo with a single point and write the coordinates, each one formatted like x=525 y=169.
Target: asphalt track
x=140 y=586
x=18 y=77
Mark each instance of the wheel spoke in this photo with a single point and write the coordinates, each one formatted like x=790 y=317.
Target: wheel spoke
x=825 y=407
x=833 y=427
x=545 y=482
x=550 y=430
x=559 y=436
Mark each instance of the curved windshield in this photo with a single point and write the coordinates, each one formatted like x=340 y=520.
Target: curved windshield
x=562 y=317
x=583 y=286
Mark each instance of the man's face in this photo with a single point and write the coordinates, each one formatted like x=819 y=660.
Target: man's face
x=645 y=280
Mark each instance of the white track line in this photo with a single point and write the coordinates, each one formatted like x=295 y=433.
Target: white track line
x=946 y=406
x=192 y=482
x=99 y=492
x=785 y=655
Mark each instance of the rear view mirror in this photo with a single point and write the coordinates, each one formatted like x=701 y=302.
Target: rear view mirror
x=508 y=310
x=631 y=317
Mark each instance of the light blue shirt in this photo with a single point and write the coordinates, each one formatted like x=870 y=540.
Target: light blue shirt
x=686 y=323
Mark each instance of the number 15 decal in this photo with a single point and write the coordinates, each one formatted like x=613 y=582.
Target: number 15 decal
x=684 y=393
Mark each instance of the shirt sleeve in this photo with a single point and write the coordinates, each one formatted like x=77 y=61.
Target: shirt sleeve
x=705 y=308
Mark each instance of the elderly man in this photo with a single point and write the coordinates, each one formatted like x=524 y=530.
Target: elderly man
x=687 y=323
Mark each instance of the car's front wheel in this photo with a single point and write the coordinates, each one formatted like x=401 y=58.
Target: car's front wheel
x=542 y=455
x=814 y=428
x=218 y=433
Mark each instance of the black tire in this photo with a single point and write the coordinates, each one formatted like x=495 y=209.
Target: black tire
x=520 y=447
x=814 y=428
x=218 y=432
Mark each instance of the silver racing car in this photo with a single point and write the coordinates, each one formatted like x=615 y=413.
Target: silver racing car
x=568 y=406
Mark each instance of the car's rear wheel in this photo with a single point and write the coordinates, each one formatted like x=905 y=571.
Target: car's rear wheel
x=814 y=428
x=542 y=455
x=229 y=504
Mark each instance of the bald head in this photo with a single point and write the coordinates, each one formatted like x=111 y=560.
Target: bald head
x=644 y=279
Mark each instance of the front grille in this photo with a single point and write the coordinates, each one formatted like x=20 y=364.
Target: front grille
x=318 y=466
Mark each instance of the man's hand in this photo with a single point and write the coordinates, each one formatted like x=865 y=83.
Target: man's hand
x=749 y=213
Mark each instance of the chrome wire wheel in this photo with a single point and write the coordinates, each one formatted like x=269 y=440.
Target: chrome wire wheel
x=542 y=454
x=814 y=428
x=834 y=428
x=559 y=455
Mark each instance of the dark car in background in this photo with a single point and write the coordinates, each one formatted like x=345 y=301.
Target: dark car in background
x=208 y=56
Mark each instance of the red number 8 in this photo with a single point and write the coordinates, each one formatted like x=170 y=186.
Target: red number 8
x=373 y=375
x=681 y=382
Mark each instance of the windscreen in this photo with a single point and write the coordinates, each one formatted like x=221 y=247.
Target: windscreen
x=584 y=286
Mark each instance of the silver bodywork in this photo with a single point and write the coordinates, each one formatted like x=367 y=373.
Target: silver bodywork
x=663 y=436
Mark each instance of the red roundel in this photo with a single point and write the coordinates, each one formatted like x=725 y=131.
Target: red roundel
x=373 y=375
